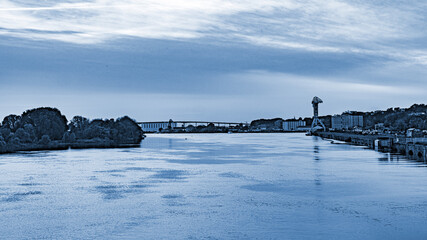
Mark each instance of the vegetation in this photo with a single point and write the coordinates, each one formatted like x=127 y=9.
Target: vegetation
x=399 y=119
x=267 y=124
x=210 y=128
x=47 y=128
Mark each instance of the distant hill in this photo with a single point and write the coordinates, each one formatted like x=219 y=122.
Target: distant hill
x=398 y=119
x=267 y=124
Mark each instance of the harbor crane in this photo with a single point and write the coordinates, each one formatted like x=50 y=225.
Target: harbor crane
x=316 y=121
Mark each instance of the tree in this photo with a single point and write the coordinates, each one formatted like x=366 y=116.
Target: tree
x=46 y=121
x=417 y=122
x=5 y=133
x=400 y=125
x=30 y=130
x=2 y=143
x=45 y=140
x=23 y=136
x=210 y=128
x=69 y=137
x=72 y=138
x=123 y=130
x=11 y=122
x=14 y=141
x=78 y=125
x=45 y=126
x=128 y=130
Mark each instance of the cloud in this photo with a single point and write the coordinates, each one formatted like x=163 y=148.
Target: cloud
x=310 y=25
x=274 y=82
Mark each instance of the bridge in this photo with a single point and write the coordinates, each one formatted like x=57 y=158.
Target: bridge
x=157 y=125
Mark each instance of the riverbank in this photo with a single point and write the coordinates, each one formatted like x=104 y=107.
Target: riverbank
x=413 y=148
x=57 y=145
x=225 y=132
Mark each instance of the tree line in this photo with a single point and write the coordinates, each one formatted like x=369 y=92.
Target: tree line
x=399 y=119
x=47 y=128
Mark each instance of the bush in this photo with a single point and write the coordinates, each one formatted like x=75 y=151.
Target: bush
x=15 y=142
x=122 y=131
x=23 y=136
x=69 y=137
x=2 y=142
x=45 y=140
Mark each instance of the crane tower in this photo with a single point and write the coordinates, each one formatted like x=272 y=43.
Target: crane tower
x=316 y=120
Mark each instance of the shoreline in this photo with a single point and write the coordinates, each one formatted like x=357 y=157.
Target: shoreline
x=58 y=146
x=409 y=147
x=63 y=146
x=382 y=143
x=222 y=132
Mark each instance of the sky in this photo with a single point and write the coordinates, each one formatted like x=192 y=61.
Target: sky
x=214 y=60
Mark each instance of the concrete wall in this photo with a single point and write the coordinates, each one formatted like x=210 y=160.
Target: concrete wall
x=416 y=151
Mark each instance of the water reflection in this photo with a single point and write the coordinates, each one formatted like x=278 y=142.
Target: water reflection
x=170 y=144
x=316 y=153
x=316 y=148
x=394 y=158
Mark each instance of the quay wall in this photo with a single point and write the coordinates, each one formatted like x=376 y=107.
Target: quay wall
x=416 y=150
x=357 y=139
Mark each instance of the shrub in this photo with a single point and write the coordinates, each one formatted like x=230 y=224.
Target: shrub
x=45 y=140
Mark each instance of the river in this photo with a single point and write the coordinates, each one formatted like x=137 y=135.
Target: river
x=214 y=186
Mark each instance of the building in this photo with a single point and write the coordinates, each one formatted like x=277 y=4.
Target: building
x=340 y=122
x=293 y=124
x=157 y=126
x=327 y=120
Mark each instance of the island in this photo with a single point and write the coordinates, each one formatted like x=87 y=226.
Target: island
x=46 y=128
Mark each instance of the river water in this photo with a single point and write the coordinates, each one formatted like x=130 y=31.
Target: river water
x=214 y=186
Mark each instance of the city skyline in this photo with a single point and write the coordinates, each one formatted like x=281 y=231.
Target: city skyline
x=218 y=61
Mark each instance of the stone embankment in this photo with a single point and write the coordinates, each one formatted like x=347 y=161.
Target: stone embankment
x=413 y=148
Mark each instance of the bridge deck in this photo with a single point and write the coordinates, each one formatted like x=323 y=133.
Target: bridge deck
x=198 y=122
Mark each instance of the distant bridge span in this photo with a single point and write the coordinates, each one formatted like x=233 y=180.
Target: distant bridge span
x=157 y=125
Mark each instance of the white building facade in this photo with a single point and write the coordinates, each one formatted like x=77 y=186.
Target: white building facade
x=293 y=124
x=340 y=122
x=156 y=126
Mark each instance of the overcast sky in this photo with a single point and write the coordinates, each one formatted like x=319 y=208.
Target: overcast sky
x=211 y=60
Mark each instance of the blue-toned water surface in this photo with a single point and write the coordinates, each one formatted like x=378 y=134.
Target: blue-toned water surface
x=214 y=186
